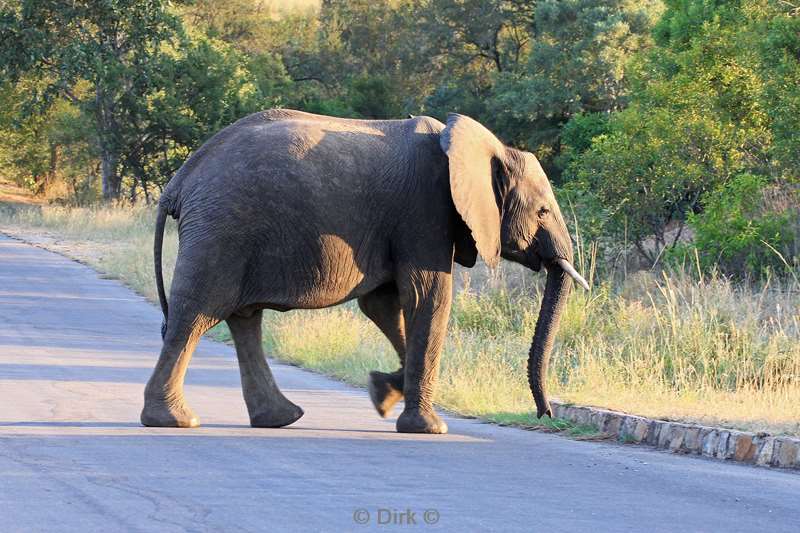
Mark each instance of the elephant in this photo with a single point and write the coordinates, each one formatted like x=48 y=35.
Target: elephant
x=288 y=210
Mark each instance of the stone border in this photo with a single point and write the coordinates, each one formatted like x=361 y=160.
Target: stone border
x=759 y=449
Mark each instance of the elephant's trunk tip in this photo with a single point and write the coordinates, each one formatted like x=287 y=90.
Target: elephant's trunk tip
x=544 y=410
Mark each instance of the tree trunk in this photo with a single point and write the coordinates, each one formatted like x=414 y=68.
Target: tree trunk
x=53 y=168
x=143 y=179
x=132 y=193
x=112 y=182
x=108 y=133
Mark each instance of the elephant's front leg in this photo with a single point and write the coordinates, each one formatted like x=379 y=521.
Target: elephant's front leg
x=426 y=298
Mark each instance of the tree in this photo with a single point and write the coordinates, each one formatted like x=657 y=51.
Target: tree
x=683 y=19
x=651 y=169
x=366 y=54
x=113 y=45
x=193 y=92
x=238 y=22
x=465 y=45
x=777 y=27
x=577 y=64
x=25 y=156
x=707 y=106
x=493 y=35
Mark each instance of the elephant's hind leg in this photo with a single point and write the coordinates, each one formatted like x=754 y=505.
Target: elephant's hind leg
x=266 y=404
x=164 y=405
x=382 y=306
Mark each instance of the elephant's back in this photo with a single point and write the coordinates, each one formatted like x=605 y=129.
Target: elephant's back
x=304 y=157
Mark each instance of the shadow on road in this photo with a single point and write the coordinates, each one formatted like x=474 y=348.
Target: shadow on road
x=212 y=377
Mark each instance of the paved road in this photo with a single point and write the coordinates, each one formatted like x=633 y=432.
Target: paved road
x=76 y=350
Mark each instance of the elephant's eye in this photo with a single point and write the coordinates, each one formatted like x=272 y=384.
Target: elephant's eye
x=543 y=211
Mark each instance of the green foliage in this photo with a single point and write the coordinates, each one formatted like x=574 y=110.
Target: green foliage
x=112 y=46
x=456 y=96
x=739 y=232
x=578 y=133
x=651 y=169
x=196 y=90
x=640 y=112
x=778 y=28
x=373 y=97
x=576 y=65
x=24 y=151
x=37 y=146
x=150 y=92
x=683 y=19
x=706 y=106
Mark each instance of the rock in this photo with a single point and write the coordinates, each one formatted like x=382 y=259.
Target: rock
x=653 y=434
x=744 y=449
x=641 y=430
x=627 y=428
x=764 y=455
x=598 y=420
x=676 y=437
x=724 y=450
x=761 y=449
x=710 y=443
x=788 y=454
x=613 y=423
x=664 y=434
x=691 y=440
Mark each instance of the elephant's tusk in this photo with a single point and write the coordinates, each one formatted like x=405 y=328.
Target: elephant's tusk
x=569 y=269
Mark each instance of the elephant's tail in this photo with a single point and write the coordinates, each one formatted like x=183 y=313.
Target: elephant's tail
x=161 y=220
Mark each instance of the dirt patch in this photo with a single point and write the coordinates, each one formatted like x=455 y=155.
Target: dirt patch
x=11 y=193
x=13 y=197
x=86 y=252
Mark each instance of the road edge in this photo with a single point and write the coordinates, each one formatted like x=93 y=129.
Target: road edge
x=760 y=449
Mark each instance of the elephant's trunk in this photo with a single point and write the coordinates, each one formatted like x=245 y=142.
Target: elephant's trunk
x=555 y=297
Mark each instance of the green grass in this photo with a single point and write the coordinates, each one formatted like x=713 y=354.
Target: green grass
x=672 y=347
x=529 y=420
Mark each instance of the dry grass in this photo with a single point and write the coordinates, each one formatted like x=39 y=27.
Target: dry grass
x=665 y=346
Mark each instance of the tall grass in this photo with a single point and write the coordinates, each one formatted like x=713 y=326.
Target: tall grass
x=664 y=345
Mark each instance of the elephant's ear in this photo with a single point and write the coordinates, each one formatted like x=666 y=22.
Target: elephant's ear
x=470 y=148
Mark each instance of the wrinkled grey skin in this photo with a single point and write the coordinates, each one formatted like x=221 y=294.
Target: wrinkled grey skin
x=289 y=210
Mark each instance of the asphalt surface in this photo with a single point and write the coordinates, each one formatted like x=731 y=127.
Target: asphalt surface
x=76 y=351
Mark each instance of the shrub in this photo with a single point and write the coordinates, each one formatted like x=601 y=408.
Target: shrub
x=740 y=230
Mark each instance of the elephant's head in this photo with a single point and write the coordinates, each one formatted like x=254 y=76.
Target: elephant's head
x=505 y=199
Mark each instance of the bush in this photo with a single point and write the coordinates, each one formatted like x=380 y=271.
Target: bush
x=740 y=230
x=577 y=135
x=374 y=97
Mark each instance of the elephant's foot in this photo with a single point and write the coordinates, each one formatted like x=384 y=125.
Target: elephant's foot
x=418 y=421
x=159 y=413
x=276 y=414
x=384 y=391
